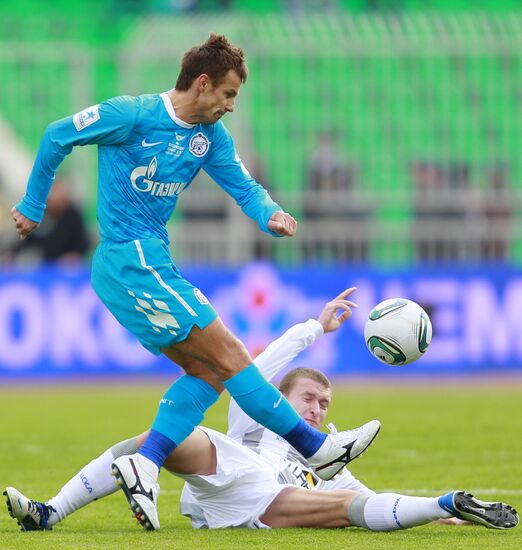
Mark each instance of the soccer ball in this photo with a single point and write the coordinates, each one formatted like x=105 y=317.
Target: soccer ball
x=397 y=331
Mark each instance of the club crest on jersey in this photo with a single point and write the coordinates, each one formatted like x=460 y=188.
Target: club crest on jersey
x=199 y=145
x=86 y=117
x=202 y=299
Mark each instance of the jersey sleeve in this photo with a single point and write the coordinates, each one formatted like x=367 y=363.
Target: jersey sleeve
x=108 y=123
x=224 y=166
x=274 y=359
x=286 y=348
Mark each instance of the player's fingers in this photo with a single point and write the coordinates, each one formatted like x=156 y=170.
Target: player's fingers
x=347 y=310
x=292 y=227
x=337 y=303
x=344 y=316
x=346 y=293
x=349 y=303
x=288 y=224
x=344 y=305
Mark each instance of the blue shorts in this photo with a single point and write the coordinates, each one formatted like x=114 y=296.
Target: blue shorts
x=143 y=289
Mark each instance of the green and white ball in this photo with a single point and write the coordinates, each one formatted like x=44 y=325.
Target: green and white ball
x=397 y=331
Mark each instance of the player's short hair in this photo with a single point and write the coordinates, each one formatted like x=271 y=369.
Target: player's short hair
x=289 y=380
x=215 y=57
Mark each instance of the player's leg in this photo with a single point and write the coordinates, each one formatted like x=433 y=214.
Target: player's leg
x=182 y=406
x=214 y=345
x=381 y=512
x=229 y=359
x=262 y=401
x=144 y=290
x=148 y=295
x=196 y=455
x=297 y=507
x=92 y=482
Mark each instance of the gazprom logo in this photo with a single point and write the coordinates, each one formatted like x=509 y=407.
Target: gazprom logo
x=142 y=179
x=153 y=166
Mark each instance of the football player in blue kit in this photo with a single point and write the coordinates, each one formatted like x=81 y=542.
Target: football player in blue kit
x=150 y=148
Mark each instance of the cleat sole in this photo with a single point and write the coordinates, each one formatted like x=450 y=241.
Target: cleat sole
x=133 y=505
x=10 y=510
x=492 y=515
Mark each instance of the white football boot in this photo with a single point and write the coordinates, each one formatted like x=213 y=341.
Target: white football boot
x=137 y=476
x=339 y=448
x=30 y=515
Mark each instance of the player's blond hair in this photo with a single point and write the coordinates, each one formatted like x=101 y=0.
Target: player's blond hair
x=215 y=58
x=289 y=380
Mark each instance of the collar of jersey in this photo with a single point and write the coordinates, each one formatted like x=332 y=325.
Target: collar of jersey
x=172 y=112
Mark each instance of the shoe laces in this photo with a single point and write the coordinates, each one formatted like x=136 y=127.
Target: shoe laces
x=332 y=429
x=42 y=510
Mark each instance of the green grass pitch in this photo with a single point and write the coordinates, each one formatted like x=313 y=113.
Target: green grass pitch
x=434 y=438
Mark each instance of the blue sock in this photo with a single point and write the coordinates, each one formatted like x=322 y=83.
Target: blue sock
x=180 y=410
x=157 y=447
x=305 y=439
x=446 y=503
x=266 y=404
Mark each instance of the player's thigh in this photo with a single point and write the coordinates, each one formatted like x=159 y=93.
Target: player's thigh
x=195 y=455
x=144 y=290
x=217 y=347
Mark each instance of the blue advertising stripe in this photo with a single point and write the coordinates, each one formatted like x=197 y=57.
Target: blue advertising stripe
x=52 y=323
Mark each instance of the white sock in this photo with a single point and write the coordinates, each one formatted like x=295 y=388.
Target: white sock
x=92 y=482
x=390 y=511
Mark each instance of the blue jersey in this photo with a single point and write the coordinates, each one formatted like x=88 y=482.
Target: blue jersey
x=147 y=157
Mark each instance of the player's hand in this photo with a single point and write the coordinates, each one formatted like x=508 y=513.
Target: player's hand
x=329 y=318
x=24 y=226
x=282 y=223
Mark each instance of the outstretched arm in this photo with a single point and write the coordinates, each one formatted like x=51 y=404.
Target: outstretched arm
x=107 y=123
x=282 y=351
x=287 y=347
x=223 y=165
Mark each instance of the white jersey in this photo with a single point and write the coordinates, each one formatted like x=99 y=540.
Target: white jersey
x=291 y=466
x=253 y=463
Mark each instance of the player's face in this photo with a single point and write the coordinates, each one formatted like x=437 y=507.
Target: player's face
x=216 y=101
x=311 y=400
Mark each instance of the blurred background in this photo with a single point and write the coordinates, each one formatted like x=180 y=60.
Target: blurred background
x=391 y=129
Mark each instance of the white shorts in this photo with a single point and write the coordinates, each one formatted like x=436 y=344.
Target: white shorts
x=240 y=491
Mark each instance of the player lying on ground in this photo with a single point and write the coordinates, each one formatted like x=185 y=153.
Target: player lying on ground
x=150 y=148
x=254 y=478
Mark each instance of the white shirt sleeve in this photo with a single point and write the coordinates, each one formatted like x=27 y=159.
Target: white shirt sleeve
x=274 y=359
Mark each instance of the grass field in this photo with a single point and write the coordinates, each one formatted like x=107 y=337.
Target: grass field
x=434 y=438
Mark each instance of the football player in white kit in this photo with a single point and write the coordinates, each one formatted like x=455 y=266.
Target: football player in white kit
x=253 y=478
